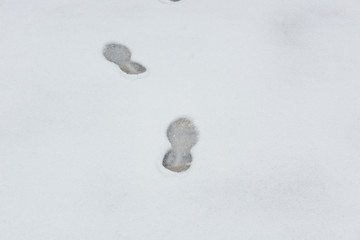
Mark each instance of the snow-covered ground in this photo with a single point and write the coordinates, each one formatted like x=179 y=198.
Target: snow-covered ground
x=273 y=87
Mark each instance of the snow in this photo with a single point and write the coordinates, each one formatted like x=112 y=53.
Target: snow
x=273 y=87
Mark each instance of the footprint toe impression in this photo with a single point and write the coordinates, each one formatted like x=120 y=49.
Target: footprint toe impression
x=116 y=53
x=121 y=56
x=182 y=135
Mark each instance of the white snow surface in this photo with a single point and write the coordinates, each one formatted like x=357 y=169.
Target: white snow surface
x=273 y=87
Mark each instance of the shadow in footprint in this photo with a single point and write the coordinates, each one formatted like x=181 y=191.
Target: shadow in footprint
x=121 y=56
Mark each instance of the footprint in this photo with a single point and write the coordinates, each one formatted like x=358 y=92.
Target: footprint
x=182 y=135
x=121 y=56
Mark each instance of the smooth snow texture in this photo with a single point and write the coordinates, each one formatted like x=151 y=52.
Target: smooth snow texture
x=273 y=87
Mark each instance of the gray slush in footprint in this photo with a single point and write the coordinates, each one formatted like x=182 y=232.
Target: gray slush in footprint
x=182 y=135
x=121 y=56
